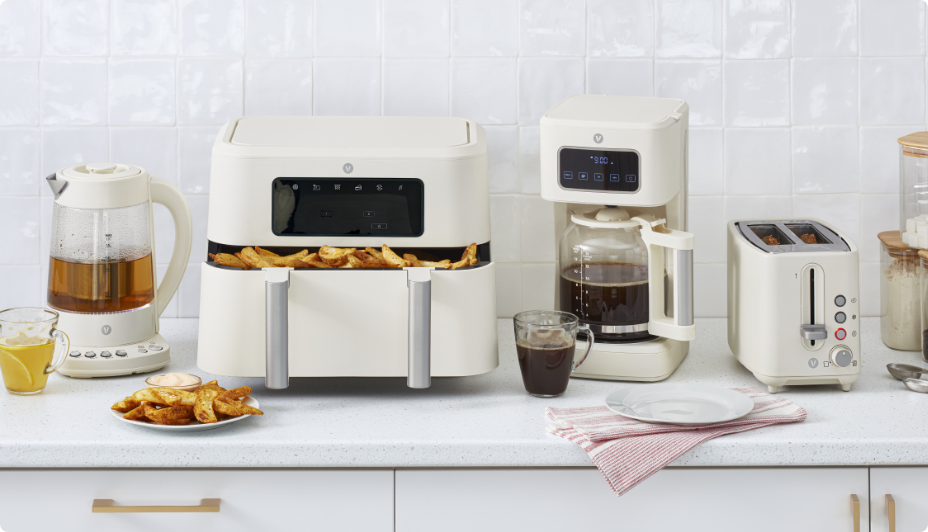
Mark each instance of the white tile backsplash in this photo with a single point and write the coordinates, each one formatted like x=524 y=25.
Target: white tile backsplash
x=870 y=288
x=485 y=28
x=144 y=27
x=212 y=27
x=348 y=28
x=141 y=92
x=622 y=77
x=416 y=28
x=689 y=28
x=427 y=97
x=697 y=82
x=757 y=161
x=20 y=161
x=543 y=83
x=795 y=105
x=757 y=29
x=824 y=29
x=484 y=89
x=552 y=27
x=279 y=28
x=824 y=90
x=620 y=29
x=346 y=87
x=825 y=160
x=209 y=91
x=892 y=91
x=19 y=93
x=892 y=28
x=279 y=87
x=75 y=27
x=20 y=29
x=73 y=92
x=757 y=93
x=152 y=148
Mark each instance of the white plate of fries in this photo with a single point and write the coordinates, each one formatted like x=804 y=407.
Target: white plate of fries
x=328 y=257
x=210 y=407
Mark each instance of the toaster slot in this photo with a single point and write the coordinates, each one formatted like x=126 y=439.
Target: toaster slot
x=812 y=331
x=768 y=231
x=805 y=232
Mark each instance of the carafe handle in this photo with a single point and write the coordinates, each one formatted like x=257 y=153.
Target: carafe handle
x=681 y=325
x=167 y=194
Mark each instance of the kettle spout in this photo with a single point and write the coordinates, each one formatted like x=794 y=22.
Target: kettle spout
x=58 y=186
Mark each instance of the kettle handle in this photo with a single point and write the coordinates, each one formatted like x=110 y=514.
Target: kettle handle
x=167 y=194
x=680 y=326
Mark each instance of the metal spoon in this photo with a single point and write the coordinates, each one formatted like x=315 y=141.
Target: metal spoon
x=916 y=385
x=905 y=371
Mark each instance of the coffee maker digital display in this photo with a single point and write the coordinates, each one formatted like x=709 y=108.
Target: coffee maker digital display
x=599 y=170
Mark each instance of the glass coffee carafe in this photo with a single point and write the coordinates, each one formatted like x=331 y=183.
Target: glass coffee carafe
x=603 y=265
x=101 y=259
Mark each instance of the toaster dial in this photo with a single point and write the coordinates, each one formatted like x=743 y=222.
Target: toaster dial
x=841 y=356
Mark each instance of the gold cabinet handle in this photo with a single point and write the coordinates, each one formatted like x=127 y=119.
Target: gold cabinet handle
x=891 y=512
x=855 y=512
x=108 y=506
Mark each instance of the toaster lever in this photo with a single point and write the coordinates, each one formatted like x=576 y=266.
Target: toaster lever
x=277 y=286
x=419 y=282
x=813 y=332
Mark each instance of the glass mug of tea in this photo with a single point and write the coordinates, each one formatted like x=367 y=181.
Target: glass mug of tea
x=545 y=342
x=28 y=338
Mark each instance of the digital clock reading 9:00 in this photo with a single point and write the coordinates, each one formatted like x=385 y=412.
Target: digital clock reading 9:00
x=598 y=170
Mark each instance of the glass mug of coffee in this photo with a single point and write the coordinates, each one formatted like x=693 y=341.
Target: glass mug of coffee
x=28 y=338
x=545 y=342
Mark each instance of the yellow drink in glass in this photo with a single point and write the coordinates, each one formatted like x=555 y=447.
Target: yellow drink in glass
x=23 y=367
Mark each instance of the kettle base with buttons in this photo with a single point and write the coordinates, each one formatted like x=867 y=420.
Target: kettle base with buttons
x=112 y=361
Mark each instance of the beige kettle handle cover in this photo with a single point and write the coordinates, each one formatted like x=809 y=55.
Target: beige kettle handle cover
x=167 y=194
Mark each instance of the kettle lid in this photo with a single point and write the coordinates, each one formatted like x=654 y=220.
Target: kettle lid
x=100 y=171
x=100 y=185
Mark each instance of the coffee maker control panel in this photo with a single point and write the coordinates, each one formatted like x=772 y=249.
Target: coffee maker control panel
x=599 y=170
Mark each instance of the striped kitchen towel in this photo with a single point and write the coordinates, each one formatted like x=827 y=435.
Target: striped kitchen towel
x=627 y=451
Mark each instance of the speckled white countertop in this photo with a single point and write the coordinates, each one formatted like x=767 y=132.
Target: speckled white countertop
x=481 y=421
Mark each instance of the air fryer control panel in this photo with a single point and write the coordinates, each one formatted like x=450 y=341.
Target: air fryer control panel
x=327 y=206
x=599 y=170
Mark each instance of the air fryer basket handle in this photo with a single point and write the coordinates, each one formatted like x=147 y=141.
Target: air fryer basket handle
x=277 y=286
x=419 y=282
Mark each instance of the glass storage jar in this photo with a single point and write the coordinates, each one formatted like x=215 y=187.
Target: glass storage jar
x=923 y=281
x=900 y=300
x=913 y=187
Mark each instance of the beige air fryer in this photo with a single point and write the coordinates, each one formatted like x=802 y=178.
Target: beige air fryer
x=615 y=168
x=793 y=310
x=416 y=184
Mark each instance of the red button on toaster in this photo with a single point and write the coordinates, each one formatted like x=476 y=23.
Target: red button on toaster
x=840 y=334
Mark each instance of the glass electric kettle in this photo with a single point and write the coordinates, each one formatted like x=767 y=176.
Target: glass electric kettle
x=616 y=276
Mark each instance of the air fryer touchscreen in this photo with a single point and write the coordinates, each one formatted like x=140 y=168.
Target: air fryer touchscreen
x=304 y=206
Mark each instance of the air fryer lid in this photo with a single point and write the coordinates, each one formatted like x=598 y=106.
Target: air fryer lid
x=788 y=236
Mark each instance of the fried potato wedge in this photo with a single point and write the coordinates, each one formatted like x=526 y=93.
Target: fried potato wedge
x=126 y=405
x=170 y=415
x=393 y=259
x=136 y=414
x=203 y=407
x=235 y=394
x=162 y=396
x=376 y=254
x=352 y=262
x=251 y=258
x=335 y=256
x=235 y=408
x=214 y=385
x=411 y=259
x=442 y=265
x=224 y=259
x=266 y=253
x=239 y=257
x=470 y=254
x=459 y=264
x=367 y=257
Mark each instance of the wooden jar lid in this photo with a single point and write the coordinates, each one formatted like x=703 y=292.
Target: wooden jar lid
x=897 y=249
x=914 y=144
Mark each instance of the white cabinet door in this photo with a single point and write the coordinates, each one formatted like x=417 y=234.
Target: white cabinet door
x=716 y=500
x=251 y=500
x=909 y=488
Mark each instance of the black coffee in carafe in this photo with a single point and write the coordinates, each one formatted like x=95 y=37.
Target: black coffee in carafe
x=607 y=293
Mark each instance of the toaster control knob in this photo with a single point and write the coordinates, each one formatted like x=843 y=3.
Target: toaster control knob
x=841 y=356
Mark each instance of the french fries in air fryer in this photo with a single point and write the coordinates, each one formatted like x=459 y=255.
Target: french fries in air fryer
x=329 y=257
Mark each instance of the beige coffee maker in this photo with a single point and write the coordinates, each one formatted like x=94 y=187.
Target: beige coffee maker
x=102 y=277
x=615 y=168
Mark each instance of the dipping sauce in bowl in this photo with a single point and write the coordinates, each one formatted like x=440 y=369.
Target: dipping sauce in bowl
x=178 y=381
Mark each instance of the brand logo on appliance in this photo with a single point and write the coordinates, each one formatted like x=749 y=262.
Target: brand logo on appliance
x=106 y=330
x=598 y=138
x=813 y=362
x=348 y=168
